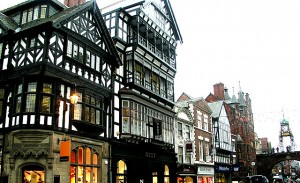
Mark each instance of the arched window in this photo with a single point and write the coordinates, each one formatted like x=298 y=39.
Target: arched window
x=121 y=172
x=85 y=166
x=167 y=174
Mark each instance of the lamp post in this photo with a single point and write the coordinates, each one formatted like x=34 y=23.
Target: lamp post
x=252 y=165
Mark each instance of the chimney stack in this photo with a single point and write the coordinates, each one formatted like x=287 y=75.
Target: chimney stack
x=71 y=3
x=219 y=91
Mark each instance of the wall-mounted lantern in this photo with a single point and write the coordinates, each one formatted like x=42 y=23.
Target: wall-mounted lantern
x=74 y=97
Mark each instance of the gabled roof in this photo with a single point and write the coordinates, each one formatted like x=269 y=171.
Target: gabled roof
x=173 y=21
x=199 y=102
x=124 y=4
x=66 y=15
x=7 y=23
x=216 y=108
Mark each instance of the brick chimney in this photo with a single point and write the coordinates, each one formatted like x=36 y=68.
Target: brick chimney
x=71 y=3
x=219 y=91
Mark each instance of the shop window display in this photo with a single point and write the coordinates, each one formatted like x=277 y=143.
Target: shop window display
x=84 y=167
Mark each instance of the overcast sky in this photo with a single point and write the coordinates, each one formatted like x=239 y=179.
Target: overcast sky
x=255 y=43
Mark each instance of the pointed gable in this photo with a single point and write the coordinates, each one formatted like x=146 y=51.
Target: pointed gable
x=160 y=11
x=86 y=20
x=184 y=97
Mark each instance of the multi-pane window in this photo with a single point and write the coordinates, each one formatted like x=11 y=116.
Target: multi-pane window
x=160 y=20
x=180 y=154
x=34 y=13
x=31 y=97
x=43 y=11
x=75 y=51
x=170 y=93
x=199 y=119
x=122 y=31
x=84 y=165
x=205 y=123
x=93 y=60
x=188 y=158
x=18 y=99
x=146 y=122
x=187 y=131
x=207 y=152
x=180 y=129
x=138 y=74
x=155 y=82
x=201 y=153
x=35 y=98
x=46 y=98
x=88 y=109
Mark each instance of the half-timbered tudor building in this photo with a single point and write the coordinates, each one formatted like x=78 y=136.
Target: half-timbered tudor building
x=56 y=89
x=146 y=35
x=222 y=142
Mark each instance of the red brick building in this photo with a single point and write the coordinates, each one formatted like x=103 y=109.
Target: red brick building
x=239 y=112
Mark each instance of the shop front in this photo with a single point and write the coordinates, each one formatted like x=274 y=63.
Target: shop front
x=40 y=156
x=142 y=164
x=186 y=173
x=222 y=173
x=205 y=174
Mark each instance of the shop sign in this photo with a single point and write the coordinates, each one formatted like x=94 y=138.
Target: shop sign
x=150 y=155
x=65 y=148
x=205 y=170
x=223 y=168
x=236 y=168
x=185 y=169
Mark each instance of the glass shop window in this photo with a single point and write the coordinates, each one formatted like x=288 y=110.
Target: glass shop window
x=33 y=173
x=121 y=172
x=84 y=166
x=167 y=174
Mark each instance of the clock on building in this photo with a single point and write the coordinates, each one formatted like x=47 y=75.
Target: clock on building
x=284 y=128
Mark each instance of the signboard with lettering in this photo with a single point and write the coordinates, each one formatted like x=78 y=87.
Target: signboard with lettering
x=222 y=168
x=157 y=126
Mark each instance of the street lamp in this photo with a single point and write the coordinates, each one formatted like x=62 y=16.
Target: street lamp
x=252 y=165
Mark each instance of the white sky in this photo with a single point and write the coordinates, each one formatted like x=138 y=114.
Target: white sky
x=256 y=43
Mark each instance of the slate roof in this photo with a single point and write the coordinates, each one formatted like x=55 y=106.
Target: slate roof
x=7 y=23
x=216 y=108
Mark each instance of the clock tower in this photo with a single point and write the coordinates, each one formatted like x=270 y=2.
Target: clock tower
x=285 y=131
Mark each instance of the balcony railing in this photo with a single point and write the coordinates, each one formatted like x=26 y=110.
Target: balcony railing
x=149 y=46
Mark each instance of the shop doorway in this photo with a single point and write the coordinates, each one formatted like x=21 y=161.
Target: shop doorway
x=33 y=174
